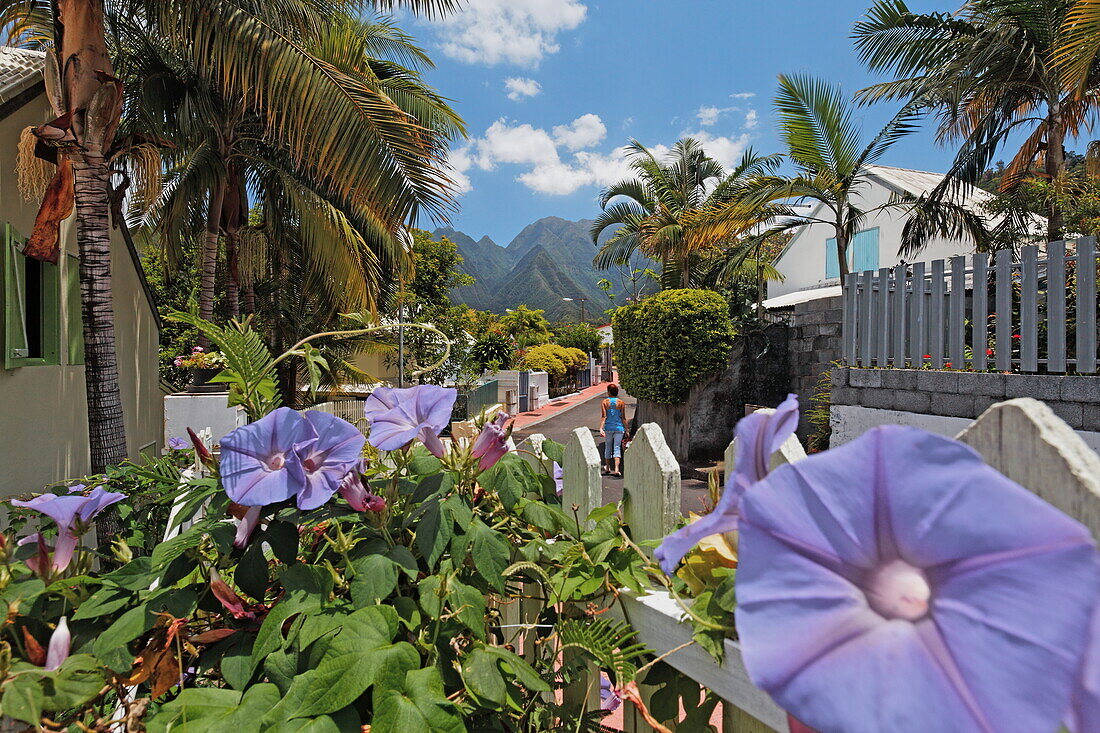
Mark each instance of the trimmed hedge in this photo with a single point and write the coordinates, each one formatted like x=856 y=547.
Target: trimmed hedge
x=666 y=344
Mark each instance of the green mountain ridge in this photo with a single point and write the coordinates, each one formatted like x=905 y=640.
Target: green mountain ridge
x=550 y=259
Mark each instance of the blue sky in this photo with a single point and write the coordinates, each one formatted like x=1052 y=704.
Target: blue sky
x=551 y=89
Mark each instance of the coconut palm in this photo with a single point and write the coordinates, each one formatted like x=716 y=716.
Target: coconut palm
x=824 y=143
x=528 y=326
x=989 y=72
x=252 y=57
x=653 y=211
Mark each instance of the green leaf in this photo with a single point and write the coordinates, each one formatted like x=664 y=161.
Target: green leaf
x=433 y=533
x=374 y=579
x=110 y=647
x=468 y=603
x=599 y=514
x=554 y=451
x=166 y=552
x=360 y=656
x=423 y=707
x=251 y=573
x=236 y=662
x=524 y=673
x=482 y=677
x=490 y=552
x=138 y=574
x=429 y=596
x=510 y=478
x=423 y=462
x=22 y=592
x=303 y=582
x=23 y=698
x=76 y=682
x=283 y=538
x=104 y=601
x=405 y=560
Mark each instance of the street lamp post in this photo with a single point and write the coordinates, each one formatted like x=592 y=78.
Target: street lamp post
x=581 y=301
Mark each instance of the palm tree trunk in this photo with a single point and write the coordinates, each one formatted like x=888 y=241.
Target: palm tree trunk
x=106 y=425
x=1055 y=165
x=232 y=282
x=842 y=252
x=209 y=262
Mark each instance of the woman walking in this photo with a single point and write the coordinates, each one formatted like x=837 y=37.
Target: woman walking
x=612 y=428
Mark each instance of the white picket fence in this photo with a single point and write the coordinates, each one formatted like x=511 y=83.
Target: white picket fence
x=1021 y=438
x=1042 y=315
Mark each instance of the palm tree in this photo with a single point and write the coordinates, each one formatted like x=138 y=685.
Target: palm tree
x=824 y=143
x=652 y=212
x=527 y=326
x=1080 y=45
x=988 y=72
x=250 y=57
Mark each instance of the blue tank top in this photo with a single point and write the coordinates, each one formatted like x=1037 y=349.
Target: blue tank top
x=613 y=423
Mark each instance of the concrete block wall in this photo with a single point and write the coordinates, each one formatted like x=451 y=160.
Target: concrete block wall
x=814 y=343
x=1075 y=399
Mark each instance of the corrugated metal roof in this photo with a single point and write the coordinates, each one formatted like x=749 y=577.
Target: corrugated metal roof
x=921 y=182
x=20 y=69
x=803 y=296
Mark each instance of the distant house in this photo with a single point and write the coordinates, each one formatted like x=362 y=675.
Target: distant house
x=43 y=413
x=607 y=335
x=809 y=262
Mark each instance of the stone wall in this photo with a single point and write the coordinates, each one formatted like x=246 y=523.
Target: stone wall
x=1075 y=399
x=699 y=430
x=814 y=343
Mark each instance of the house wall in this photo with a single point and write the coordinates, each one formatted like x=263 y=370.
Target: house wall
x=814 y=345
x=43 y=414
x=803 y=263
x=945 y=402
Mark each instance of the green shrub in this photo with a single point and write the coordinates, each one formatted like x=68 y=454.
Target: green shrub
x=577 y=359
x=581 y=336
x=664 y=345
x=549 y=358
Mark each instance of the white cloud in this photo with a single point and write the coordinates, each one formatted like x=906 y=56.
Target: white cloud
x=750 y=119
x=514 y=31
x=560 y=162
x=583 y=132
x=742 y=95
x=708 y=115
x=518 y=88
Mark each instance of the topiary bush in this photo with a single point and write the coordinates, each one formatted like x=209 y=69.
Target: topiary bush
x=577 y=359
x=666 y=344
x=549 y=358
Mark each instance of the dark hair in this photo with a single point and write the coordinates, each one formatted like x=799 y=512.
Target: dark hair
x=613 y=389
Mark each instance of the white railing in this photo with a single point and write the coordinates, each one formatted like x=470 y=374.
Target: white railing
x=1037 y=313
x=1023 y=439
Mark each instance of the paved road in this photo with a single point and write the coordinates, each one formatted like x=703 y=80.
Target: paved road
x=560 y=427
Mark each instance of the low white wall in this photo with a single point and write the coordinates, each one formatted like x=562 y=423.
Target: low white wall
x=508 y=381
x=850 y=421
x=198 y=412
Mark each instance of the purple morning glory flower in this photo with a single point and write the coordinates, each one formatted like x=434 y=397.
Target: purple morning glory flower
x=897 y=583
x=260 y=462
x=1084 y=713
x=559 y=478
x=326 y=460
x=178 y=444
x=73 y=514
x=398 y=416
x=247 y=526
x=759 y=435
x=491 y=443
x=58 y=649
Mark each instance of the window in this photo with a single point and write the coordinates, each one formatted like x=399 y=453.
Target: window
x=865 y=250
x=832 y=261
x=32 y=307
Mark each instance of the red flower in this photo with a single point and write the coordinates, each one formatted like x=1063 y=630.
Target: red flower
x=1015 y=335
x=927 y=356
x=989 y=352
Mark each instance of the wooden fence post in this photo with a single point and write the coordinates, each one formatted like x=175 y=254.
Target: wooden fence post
x=1027 y=442
x=581 y=483
x=789 y=452
x=582 y=487
x=520 y=612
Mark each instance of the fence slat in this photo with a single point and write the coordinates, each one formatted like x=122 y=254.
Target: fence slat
x=897 y=318
x=651 y=508
x=1056 y=307
x=1029 y=309
x=956 y=319
x=882 y=322
x=918 y=332
x=936 y=315
x=1086 y=305
x=865 y=330
x=980 y=327
x=851 y=316
x=1004 y=345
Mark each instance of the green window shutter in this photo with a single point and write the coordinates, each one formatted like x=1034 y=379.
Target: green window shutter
x=74 y=321
x=24 y=345
x=15 y=323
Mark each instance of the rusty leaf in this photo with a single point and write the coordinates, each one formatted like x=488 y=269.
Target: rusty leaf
x=212 y=636
x=45 y=241
x=36 y=653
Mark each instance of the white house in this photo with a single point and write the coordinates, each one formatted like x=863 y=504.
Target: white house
x=809 y=263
